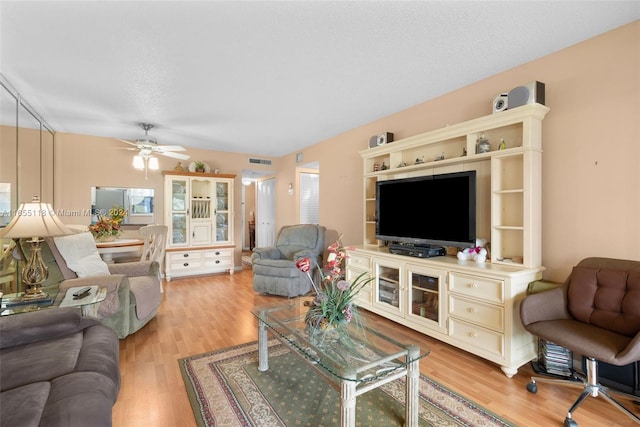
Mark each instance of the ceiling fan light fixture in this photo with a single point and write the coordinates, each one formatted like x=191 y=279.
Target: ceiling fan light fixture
x=153 y=163
x=138 y=162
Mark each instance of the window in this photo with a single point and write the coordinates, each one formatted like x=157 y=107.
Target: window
x=309 y=198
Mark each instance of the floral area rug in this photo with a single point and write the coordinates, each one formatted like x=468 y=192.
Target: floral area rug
x=226 y=389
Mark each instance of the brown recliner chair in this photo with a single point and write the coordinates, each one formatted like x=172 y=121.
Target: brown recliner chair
x=596 y=313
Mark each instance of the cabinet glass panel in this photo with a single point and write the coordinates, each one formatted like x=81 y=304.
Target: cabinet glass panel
x=179 y=228
x=389 y=285
x=424 y=296
x=222 y=227
x=222 y=194
x=178 y=195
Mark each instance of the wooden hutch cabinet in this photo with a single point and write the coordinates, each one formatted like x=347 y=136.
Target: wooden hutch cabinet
x=199 y=214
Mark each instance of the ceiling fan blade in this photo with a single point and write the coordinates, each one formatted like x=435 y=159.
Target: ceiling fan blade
x=128 y=142
x=174 y=155
x=170 y=148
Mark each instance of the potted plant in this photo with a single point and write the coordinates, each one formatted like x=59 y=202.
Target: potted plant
x=199 y=166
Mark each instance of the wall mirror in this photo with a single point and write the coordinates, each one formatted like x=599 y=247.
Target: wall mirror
x=8 y=159
x=137 y=202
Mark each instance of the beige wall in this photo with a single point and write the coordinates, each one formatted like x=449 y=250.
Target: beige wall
x=85 y=161
x=591 y=190
x=591 y=159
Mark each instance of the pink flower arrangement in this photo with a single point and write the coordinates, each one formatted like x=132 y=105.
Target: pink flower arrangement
x=334 y=300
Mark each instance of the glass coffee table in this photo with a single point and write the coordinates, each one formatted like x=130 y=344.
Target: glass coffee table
x=13 y=304
x=353 y=359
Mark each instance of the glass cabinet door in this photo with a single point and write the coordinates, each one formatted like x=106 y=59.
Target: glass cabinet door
x=222 y=212
x=388 y=289
x=179 y=206
x=179 y=228
x=179 y=196
x=389 y=286
x=426 y=298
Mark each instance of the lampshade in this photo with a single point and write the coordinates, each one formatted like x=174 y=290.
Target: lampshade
x=138 y=162
x=153 y=163
x=34 y=219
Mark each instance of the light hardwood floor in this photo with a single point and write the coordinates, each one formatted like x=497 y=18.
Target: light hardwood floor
x=209 y=313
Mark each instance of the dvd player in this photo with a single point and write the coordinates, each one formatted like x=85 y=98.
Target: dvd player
x=420 y=251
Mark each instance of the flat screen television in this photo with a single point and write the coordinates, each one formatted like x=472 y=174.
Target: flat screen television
x=434 y=210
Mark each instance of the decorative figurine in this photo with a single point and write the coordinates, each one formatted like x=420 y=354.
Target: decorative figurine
x=502 y=145
x=482 y=145
x=440 y=157
x=419 y=160
x=376 y=167
x=384 y=166
x=179 y=167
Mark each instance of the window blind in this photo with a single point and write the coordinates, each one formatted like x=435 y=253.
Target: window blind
x=309 y=198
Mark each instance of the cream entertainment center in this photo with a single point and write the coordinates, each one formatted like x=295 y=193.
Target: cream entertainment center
x=199 y=213
x=472 y=306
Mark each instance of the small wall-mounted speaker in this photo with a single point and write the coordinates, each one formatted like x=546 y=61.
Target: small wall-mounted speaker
x=501 y=102
x=518 y=96
x=381 y=139
x=527 y=94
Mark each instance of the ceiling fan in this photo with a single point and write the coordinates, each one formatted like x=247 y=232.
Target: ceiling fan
x=149 y=146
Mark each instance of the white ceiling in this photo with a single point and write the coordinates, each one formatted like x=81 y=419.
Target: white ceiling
x=269 y=78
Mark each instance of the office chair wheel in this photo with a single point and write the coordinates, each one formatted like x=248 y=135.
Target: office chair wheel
x=532 y=387
x=568 y=422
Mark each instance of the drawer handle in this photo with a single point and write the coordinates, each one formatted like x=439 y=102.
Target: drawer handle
x=217 y=253
x=473 y=335
x=217 y=261
x=472 y=310
x=186 y=264
x=185 y=255
x=472 y=285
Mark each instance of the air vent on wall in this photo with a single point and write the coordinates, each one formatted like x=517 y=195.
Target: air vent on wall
x=259 y=161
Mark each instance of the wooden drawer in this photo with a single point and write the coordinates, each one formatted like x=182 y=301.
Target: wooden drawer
x=359 y=261
x=186 y=264
x=183 y=256
x=219 y=258
x=184 y=261
x=487 y=315
x=217 y=253
x=478 y=287
x=484 y=340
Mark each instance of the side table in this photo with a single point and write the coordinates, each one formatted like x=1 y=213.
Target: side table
x=11 y=303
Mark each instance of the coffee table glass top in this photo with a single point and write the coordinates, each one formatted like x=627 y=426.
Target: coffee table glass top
x=352 y=352
x=13 y=303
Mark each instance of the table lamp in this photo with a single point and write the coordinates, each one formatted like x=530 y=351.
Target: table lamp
x=34 y=220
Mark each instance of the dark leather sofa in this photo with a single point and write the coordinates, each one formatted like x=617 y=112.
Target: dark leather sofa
x=57 y=368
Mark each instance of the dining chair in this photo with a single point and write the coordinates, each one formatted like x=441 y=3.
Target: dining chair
x=155 y=243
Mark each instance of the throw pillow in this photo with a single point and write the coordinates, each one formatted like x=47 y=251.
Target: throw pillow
x=81 y=255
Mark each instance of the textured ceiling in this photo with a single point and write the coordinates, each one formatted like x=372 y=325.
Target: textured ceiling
x=269 y=78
